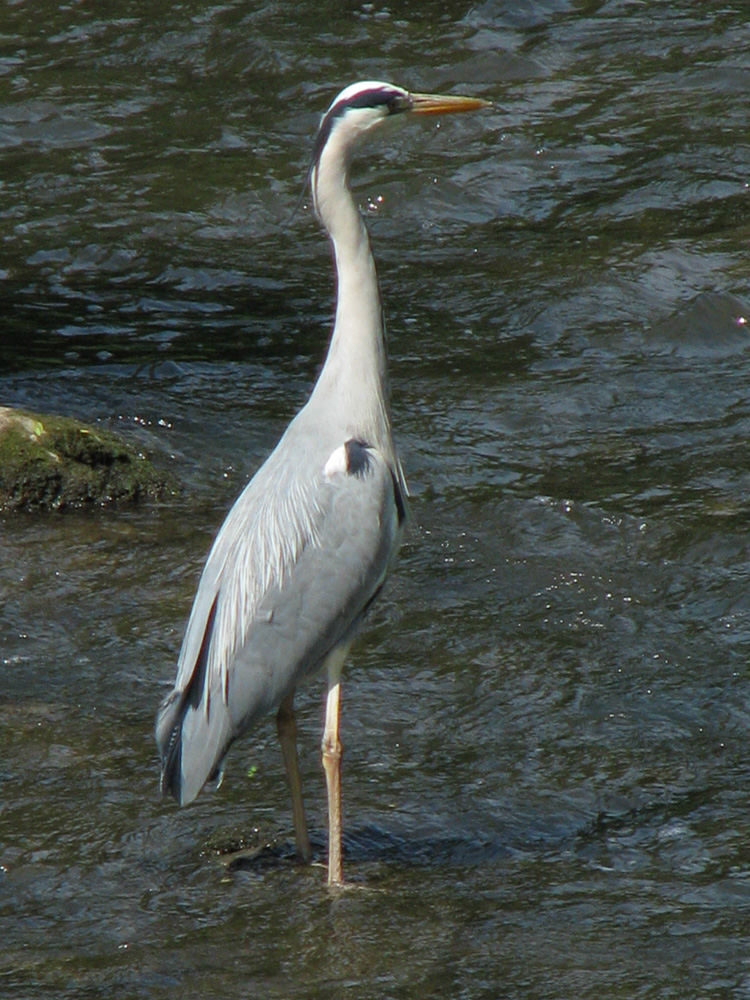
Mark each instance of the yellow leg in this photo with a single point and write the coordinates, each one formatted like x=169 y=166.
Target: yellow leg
x=332 y=767
x=286 y=727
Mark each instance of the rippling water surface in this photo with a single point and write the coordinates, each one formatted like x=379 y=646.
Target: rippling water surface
x=546 y=725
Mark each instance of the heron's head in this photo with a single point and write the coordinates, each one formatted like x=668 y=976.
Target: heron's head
x=362 y=106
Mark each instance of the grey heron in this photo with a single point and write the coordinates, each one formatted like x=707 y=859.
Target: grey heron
x=308 y=544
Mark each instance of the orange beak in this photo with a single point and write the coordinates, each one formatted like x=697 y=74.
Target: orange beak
x=437 y=104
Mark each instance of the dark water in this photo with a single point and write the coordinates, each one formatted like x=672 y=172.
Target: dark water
x=546 y=727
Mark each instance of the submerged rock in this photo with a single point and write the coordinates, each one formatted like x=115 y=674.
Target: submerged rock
x=55 y=462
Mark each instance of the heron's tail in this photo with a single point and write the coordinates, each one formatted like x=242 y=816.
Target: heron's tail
x=169 y=739
x=193 y=730
x=192 y=744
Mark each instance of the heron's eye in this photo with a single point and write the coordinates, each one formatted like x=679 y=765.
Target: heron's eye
x=397 y=103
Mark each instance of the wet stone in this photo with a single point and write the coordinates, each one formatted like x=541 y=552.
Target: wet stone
x=51 y=462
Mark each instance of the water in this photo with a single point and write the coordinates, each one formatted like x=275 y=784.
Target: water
x=545 y=726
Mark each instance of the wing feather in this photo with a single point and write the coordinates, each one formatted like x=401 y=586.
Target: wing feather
x=299 y=557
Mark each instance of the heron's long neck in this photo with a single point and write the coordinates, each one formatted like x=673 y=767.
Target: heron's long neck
x=355 y=372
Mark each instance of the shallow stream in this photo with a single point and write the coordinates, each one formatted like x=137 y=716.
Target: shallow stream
x=546 y=774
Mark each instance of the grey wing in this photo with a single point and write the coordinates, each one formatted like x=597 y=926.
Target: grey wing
x=297 y=561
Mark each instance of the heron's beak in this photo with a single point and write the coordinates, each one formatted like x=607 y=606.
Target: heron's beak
x=437 y=104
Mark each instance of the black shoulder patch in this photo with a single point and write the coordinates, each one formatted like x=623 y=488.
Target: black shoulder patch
x=357 y=459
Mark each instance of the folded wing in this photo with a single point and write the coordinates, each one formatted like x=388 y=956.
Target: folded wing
x=298 y=560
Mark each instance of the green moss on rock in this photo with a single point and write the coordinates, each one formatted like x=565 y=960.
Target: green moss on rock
x=56 y=462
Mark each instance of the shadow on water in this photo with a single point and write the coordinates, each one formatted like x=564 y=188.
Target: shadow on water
x=374 y=853
x=371 y=845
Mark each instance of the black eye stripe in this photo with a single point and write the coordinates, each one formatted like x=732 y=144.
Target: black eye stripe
x=366 y=99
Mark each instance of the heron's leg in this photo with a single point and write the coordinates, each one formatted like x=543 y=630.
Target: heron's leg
x=286 y=727
x=332 y=767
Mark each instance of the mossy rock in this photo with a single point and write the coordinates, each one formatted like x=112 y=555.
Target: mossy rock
x=56 y=462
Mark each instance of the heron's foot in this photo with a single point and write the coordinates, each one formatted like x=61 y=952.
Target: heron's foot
x=337 y=889
x=304 y=858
